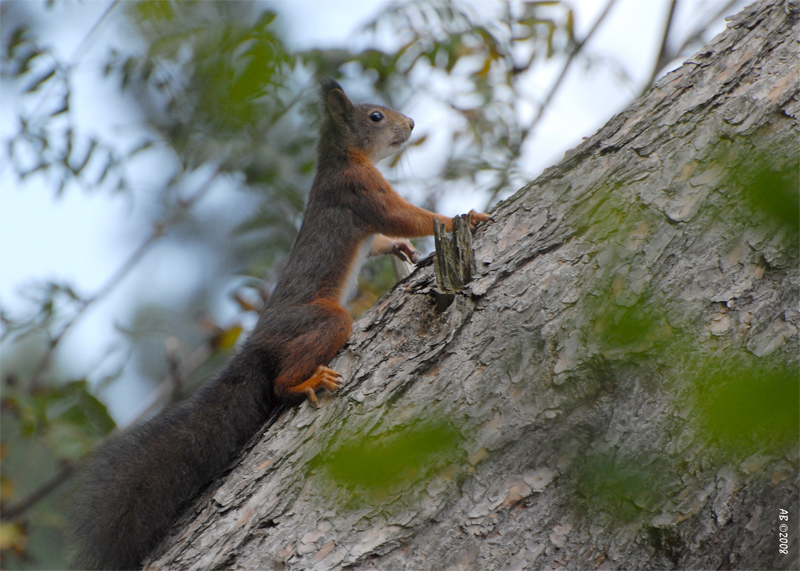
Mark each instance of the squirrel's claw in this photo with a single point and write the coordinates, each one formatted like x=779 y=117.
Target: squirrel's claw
x=323 y=378
x=404 y=250
x=400 y=247
x=476 y=217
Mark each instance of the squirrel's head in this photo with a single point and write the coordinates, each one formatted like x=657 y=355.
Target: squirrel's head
x=374 y=130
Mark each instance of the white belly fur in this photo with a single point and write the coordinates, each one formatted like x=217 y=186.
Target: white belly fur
x=355 y=267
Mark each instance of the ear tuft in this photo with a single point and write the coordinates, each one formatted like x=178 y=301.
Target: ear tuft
x=339 y=108
x=326 y=85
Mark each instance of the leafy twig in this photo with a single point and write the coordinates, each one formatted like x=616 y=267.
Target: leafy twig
x=556 y=86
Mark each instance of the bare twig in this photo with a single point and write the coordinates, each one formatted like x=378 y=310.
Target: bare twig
x=159 y=230
x=570 y=58
x=67 y=467
x=665 y=55
x=165 y=391
x=697 y=33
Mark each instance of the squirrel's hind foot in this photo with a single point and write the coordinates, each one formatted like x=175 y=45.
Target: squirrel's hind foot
x=323 y=378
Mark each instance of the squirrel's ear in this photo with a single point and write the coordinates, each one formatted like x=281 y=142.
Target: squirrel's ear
x=338 y=105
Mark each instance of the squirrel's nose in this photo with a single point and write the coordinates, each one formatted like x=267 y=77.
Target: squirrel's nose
x=410 y=124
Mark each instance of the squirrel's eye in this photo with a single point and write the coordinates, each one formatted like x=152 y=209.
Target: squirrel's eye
x=376 y=116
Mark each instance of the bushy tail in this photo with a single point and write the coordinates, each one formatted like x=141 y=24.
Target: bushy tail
x=138 y=483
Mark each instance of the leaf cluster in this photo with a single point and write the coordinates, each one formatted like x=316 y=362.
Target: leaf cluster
x=47 y=140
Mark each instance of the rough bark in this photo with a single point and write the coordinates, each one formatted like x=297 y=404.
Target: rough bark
x=553 y=407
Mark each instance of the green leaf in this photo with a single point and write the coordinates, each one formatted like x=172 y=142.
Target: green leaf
x=371 y=465
x=747 y=403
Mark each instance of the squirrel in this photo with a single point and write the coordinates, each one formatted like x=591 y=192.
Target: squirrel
x=138 y=483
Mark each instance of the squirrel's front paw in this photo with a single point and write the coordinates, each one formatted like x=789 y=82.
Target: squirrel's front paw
x=405 y=250
x=476 y=217
x=400 y=247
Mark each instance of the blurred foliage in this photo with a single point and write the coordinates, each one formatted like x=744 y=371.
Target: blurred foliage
x=748 y=404
x=623 y=330
x=367 y=467
x=67 y=418
x=13 y=538
x=733 y=403
x=218 y=75
x=44 y=432
x=220 y=96
x=610 y=488
x=52 y=303
x=770 y=184
x=47 y=141
x=491 y=59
